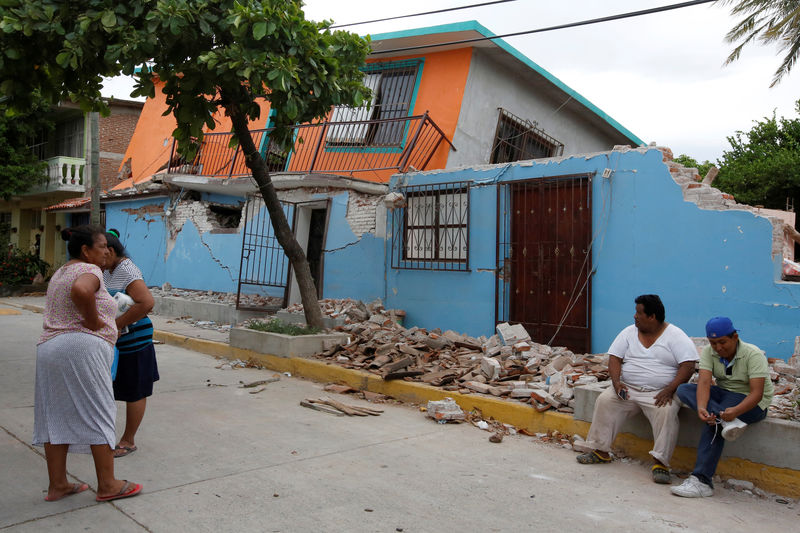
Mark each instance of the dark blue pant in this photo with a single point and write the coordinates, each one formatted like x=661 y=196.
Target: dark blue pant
x=711 y=442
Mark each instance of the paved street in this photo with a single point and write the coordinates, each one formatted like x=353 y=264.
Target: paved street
x=213 y=457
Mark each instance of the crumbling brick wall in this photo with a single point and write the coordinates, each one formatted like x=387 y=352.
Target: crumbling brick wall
x=708 y=197
x=361 y=210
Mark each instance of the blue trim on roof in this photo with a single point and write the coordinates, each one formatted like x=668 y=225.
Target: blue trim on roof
x=477 y=27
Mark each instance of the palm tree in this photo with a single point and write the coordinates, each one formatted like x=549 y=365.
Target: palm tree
x=767 y=21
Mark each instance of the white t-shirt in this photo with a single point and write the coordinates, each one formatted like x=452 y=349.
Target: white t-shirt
x=654 y=367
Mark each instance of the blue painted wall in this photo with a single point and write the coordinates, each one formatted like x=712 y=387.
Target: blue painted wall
x=142 y=232
x=647 y=240
x=353 y=265
x=201 y=261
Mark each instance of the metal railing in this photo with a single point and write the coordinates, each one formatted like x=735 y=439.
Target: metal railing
x=346 y=147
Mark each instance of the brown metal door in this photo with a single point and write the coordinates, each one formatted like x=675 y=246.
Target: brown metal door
x=546 y=257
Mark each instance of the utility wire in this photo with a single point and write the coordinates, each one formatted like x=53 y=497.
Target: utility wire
x=629 y=14
x=420 y=14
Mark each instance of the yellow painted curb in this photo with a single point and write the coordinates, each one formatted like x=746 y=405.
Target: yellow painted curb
x=784 y=481
x=27 y=307
x=9 y=312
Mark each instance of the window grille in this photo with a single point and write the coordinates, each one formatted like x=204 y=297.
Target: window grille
x=432 y=231
x=517 y=139
x=392 y=86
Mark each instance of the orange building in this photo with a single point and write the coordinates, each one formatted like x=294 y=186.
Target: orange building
x=436 y=105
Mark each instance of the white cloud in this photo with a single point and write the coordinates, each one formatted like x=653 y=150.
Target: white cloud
x=661 y=75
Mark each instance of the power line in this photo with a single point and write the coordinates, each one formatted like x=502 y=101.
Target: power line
x=420 y=14
x=629 y=14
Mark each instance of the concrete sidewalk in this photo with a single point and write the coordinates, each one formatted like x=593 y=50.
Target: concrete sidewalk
x=213 y=457
x=760 y=457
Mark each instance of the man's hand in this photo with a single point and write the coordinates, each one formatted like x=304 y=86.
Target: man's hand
x=618 y=388
x=706 y=417
x=664 y=397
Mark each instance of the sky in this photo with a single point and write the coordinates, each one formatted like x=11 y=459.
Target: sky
x=661 y=76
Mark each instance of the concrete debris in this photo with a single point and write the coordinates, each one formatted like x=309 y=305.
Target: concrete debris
x=456 y=362
x=739 y=485
x=227 y=298
x=446 y=410
x=509 y=334
x=329 y=405
x=352 y=311
x=273 y=379
x=502 y=366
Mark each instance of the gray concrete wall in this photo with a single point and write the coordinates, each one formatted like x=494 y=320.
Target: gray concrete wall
x=766 y=442
x=284 y=345
x=218 y=313
x=492 y=84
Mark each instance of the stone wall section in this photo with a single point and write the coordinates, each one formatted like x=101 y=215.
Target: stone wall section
x=708 y=197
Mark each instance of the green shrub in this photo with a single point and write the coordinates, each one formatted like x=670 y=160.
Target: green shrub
x=276 y=326
x=19 y=268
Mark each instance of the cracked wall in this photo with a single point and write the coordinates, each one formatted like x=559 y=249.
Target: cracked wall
x=647 y=238
x=179 y=241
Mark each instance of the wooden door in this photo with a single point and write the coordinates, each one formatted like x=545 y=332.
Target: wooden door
x=548 y=258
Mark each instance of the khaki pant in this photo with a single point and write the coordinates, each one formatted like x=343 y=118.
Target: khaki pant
x=610 y=412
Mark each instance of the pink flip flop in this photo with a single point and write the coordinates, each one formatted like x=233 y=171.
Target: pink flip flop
x=128 y=489
x=76 y=488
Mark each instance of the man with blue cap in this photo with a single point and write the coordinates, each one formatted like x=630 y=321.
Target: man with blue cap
x=741 y=396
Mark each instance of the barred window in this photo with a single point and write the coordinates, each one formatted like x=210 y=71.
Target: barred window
x=432 y=231
x=517 y=139
x=392 y=86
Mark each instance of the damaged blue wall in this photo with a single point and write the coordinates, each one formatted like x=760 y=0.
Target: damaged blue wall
x=647 y=240
x=198 y=260
x=210 y=260
x=142 y=232
x=353 y=264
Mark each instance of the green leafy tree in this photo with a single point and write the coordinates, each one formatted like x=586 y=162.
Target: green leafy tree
x=20 y=168
x=762 y=166
x=210 y=54
x=768 y=22
x=690 y=162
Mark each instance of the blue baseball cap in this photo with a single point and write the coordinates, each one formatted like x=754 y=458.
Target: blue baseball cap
x=719 y=326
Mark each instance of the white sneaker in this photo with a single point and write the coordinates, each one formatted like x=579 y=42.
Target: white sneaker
x=732 y=430
x=692 y=488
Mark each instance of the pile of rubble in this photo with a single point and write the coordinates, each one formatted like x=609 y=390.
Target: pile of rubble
x=351 y=311
x=227 y=298
x=786 y=380
x=507 y=365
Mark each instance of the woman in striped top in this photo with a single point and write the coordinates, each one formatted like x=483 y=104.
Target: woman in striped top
x=137 y=369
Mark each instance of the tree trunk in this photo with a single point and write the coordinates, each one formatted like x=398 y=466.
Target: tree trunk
x=258 y=168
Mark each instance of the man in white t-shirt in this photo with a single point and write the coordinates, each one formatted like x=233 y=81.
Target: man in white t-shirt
x=647 y=361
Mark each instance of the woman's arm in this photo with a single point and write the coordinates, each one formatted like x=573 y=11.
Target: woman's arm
x=82 y=295
x=142 y=303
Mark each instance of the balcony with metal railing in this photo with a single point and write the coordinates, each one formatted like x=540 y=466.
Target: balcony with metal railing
x=366 y=149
